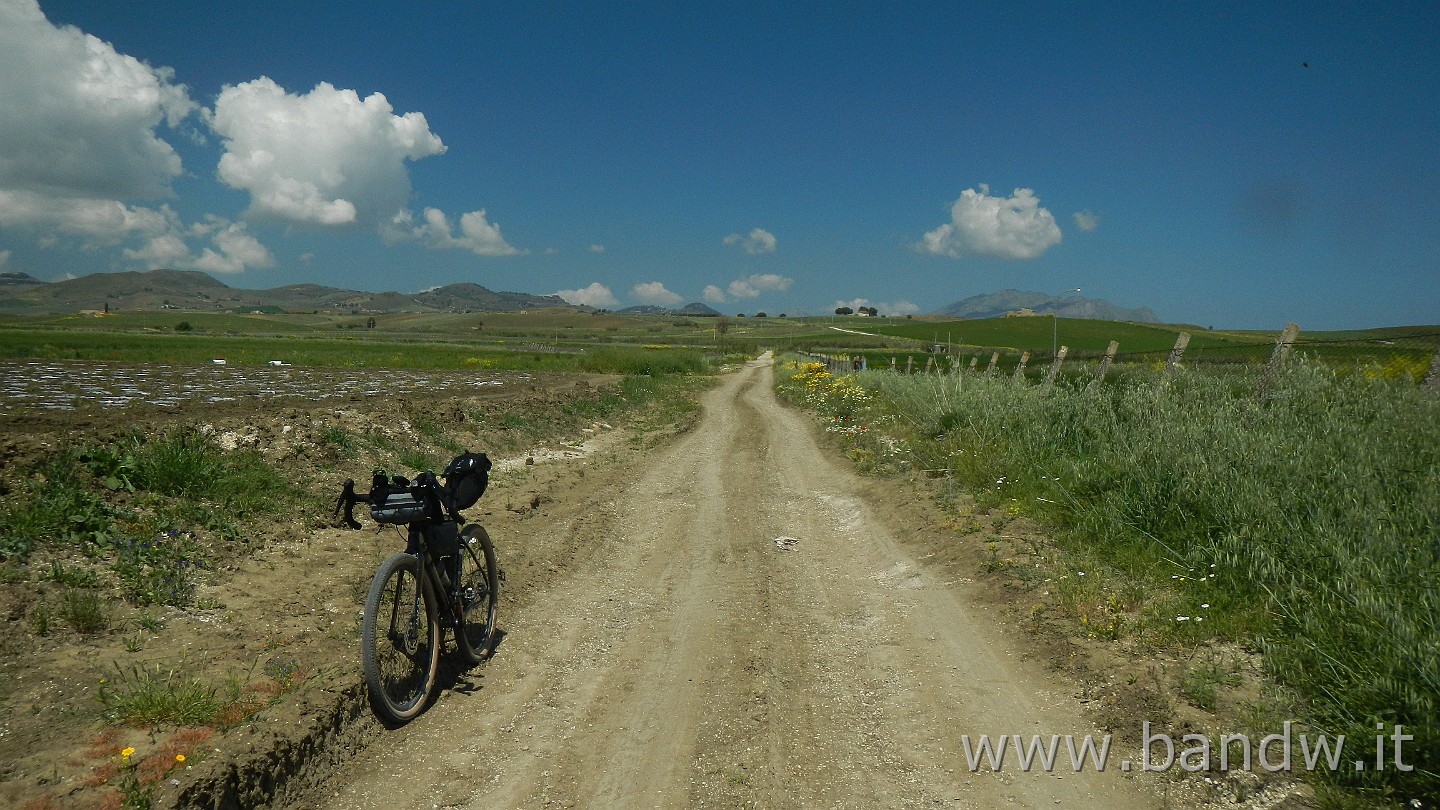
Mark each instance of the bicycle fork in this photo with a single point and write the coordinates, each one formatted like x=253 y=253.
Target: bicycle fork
x=447 y=591
x=409 y=639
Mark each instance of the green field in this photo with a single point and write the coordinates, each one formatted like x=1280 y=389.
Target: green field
x=559 y=339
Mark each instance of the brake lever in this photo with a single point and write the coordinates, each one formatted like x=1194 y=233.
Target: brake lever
x=348 y=500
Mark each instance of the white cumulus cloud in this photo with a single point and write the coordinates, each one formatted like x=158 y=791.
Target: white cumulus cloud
x=753 y=286
x=596 y=295
x=476 y=233
x=713 y=294
x=654 y=292
x=901 y=307
x=596 y=248
x=326 y=157
x=233 y=249
x=1014 y=227
x=1087 y=220
x=756 y=242
x=78 y=132
x=78 y=118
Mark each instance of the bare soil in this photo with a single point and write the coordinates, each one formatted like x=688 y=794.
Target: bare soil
x=713 y=614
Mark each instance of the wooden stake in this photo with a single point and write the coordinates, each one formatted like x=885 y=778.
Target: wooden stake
x=1277 y=359
x=1104 y=365
x=1055 y=366
x=1020 y=369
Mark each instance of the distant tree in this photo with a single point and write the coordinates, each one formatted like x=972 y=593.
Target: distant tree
x=844 y=311
x=781 y=315
x=183 y=326
x=739 y=314
x=760 y=315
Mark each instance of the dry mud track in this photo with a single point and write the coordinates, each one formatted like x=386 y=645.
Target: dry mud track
x=683 y=659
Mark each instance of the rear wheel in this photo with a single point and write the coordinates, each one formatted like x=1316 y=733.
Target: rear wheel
x=399 y=640
x=479 y=592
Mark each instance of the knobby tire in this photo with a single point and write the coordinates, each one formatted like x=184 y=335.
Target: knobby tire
x=479 y=594
x=400 y=640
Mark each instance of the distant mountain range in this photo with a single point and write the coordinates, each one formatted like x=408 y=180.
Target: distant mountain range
x=192 y=290
x=195 y=291
x=693 y=310
x=999 y=304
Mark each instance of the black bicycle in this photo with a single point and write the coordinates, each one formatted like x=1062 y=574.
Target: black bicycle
x=447 y=578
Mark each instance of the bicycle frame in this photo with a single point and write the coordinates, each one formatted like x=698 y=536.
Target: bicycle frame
x=443 y=590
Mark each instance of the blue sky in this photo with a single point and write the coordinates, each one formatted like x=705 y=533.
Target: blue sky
x=785 y=157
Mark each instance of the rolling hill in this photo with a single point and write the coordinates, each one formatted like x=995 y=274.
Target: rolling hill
x=997 y=304
x=191 y=290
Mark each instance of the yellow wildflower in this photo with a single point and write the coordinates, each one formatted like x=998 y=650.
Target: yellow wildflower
x=126 y=753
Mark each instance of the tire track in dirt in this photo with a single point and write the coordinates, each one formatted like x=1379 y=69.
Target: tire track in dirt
x=685 y=660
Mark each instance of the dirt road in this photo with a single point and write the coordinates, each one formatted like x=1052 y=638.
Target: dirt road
x=685 y=659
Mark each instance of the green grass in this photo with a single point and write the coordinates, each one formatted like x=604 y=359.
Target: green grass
x=1302 y=524
x=151 y=696
x=86 y=611
x=1081 y=335
x=55 y=503
x=352 y=351
x=184 y=483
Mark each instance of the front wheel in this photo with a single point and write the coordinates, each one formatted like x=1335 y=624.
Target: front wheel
x=399 y=640
x=478 y=594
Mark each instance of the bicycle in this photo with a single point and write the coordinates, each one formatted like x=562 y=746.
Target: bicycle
x=447 y=578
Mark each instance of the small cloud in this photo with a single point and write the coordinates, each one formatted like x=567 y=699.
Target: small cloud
x=1014 y=227
x=1087 y=220
x=901 y=307
x=550 y=251
x=307 y=257
x=713 y=294
x=596 y=295
x=234 y=249
x=596 y=248
x=654 y=293
x=477 y=234
x=758 y=241
x=753 y=286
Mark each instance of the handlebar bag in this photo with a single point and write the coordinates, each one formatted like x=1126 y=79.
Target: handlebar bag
x=466 y=478
x=395 y=503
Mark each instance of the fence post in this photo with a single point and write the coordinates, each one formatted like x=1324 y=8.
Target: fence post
x=1020 y=369
x=1055 y=366
x=1432 y=378
x=994 y=361
x=1181 y=341
x=909 y=365
x=1105 y=364
x=892 y=365
x=1173 y=361
x=929 y=364
x=1277 y=359
x=975 y=363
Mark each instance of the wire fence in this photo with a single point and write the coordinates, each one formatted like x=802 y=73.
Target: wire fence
x=1400 y=354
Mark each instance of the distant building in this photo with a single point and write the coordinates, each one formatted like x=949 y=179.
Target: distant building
x=1023 y=312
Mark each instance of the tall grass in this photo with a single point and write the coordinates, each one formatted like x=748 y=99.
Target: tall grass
x=1308 y=522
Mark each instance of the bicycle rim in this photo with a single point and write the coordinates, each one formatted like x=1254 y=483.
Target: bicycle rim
x=479 y=595
x=400 y=640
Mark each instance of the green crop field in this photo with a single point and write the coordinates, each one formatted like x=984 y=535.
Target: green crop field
x=1081 y=335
